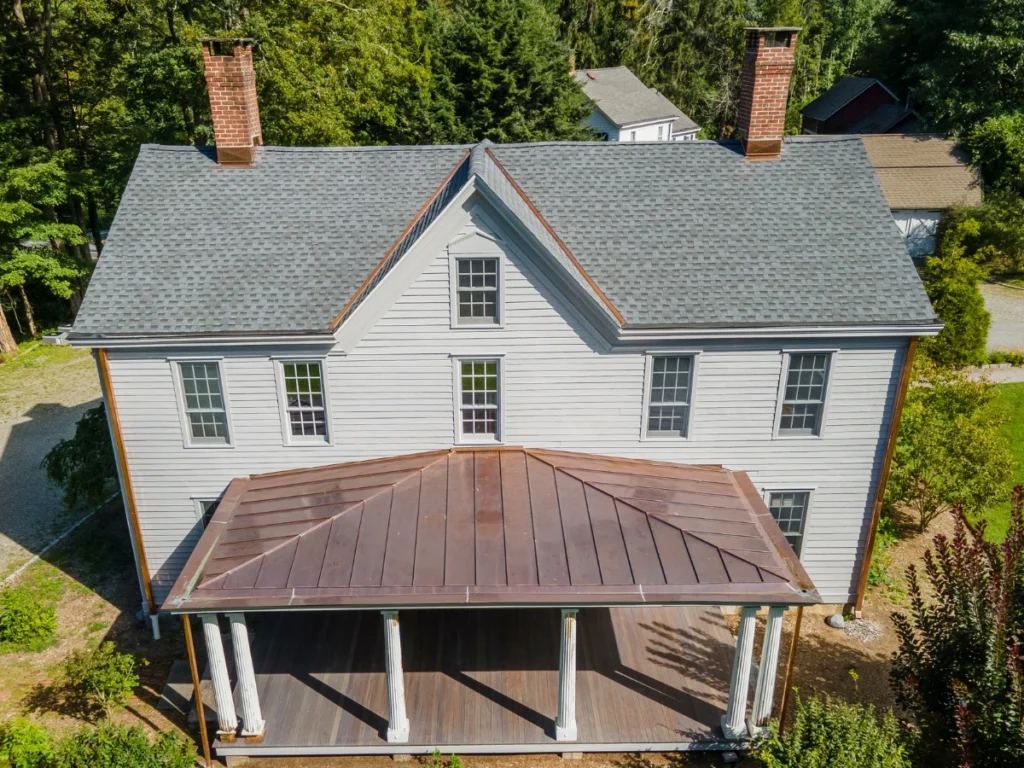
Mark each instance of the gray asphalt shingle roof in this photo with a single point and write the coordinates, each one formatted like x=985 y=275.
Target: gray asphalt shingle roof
x=845 y=90
x=674 y=233
x=624 y=99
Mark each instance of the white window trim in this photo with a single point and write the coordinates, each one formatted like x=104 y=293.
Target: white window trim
x=461 y=439
x=179 y=396
x=287 y=438
x=648 y=374
x=781 y=394
x=197 y=503
x=766 y=495
x=453 y=288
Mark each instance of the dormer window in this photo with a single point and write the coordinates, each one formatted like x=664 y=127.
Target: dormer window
x=477 y=293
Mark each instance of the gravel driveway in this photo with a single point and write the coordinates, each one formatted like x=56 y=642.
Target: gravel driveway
x=42 y=396
x=1006 y=305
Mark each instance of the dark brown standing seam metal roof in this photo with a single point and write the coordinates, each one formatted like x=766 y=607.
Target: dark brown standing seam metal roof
x=494 y=526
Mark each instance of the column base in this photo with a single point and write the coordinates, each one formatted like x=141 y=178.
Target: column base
x=227 y=736
x=255 y=736
x=753 y=730
x=565 y=734
x=399 y=735
x=734 y=733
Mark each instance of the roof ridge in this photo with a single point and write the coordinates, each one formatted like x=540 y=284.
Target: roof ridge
x=388 y=487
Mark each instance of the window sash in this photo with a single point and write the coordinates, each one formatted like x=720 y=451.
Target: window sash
x=479 y=398
x=669 y=394
x=305 y=402
x=789 y=508
x=203 y=402
x=803 y=396
x=477 y=295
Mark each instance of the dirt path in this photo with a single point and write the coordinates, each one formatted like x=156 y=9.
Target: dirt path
x=43 y=393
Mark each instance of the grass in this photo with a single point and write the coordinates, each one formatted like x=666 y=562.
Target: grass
x=1016 y=280
x=1010 y=400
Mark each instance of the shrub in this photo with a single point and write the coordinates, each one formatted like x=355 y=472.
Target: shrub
x=960 y=666
x=1014 y=357
x=829 y=733
x=996 y=145
x=111 y=746
x=104 y=677
x=952 y=285
x=949 y=449
x=24 y=744
x=26 y=622
x=84 y=467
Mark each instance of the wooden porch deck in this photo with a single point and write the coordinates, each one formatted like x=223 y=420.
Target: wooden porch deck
x=486 y=681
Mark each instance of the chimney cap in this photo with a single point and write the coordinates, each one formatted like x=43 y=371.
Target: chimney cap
x=227 y=39
x=772 y=29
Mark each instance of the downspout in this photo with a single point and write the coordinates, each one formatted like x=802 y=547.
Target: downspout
x=127 y=493
x=883 y=476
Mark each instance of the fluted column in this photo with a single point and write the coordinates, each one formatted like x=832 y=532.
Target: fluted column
x=764 y=694
x=565 y=725
x=398 y=722
x=227 y=721
x=733 y=722
x=252 y=719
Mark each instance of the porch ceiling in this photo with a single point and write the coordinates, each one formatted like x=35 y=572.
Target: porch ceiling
x=497 y=526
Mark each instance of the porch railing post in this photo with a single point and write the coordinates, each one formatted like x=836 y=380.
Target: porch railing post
x=227 y=721
x=565 y=725
x=734 y=721
x=253 y=724
x=398 y=722
x=764 y=694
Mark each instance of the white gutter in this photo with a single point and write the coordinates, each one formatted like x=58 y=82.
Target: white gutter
x=640 y=335
x=143 y=342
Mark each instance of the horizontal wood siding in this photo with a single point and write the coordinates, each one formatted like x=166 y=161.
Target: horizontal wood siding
x=563 y=389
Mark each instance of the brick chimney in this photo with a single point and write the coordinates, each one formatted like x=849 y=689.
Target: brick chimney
x=767 y=66
x=231 y=83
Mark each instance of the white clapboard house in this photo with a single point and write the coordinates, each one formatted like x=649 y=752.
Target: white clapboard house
x=547 y=408
x=627 y=110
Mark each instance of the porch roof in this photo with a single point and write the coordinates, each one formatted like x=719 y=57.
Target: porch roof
x=491 y=526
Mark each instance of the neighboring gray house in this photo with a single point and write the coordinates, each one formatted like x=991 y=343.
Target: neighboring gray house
x=627 y=110
x=624 y=384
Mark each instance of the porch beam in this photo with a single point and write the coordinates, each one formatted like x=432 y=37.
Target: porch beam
x=764 y=695
x=253 y=724
x=565 y=724
x=227 y=721
x=398 y=722
x=734 y=721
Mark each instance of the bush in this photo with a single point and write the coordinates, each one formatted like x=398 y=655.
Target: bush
x=103 y=678
x=26 y=622
x=24 y=744
x=829 y=733
x=111 y=746
x=84 y=467
x=949 y=449
x=1014 y=357
x=996 y=145
x=952 y=286
x=959 y=666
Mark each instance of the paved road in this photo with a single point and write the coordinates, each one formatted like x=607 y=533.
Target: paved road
x=1006 y=305
x=39 y=405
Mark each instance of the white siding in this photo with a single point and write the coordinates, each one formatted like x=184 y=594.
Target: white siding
x=601 y=124
x=393 y=394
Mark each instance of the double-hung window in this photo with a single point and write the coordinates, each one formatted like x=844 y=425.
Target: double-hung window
x=305 y=405
x=670 y=392
x=479 y=400
x=803 y=396
x=789 y=508
x=202 y=392
x=477 y=293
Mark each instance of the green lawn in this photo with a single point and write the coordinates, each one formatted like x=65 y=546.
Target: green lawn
x=1010 y=399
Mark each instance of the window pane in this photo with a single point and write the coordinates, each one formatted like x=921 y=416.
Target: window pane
x=478 y=290
x=789 y=508
x=479 y=397
x=204 y=403
x=804 y=395
x=208 y=507
x=669 y=407
x=304 y=400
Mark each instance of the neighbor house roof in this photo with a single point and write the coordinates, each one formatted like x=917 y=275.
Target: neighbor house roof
x=922 y=172
x=844 y=91
x=625 y=100
x=491 y=526
x=882 y=120
x=710 y=239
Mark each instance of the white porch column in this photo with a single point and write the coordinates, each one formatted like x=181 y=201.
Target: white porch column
x=733 y=722
x=252 y=719
x=227 y=722
x=565 y=725
x=764 y=694
x=398 y=722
